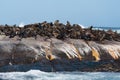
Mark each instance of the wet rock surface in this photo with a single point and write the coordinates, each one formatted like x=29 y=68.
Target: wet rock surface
x=65 y=65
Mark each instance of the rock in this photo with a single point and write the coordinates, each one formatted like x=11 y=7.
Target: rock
x=58 y=47
x=58 y=55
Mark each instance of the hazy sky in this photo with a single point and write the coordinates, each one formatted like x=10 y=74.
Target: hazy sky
x=86 y=12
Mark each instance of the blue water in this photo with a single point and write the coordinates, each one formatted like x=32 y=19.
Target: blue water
x=108 y=28
x=39 y=75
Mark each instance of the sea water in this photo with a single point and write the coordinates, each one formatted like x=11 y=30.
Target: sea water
x=39 y=75
x=108 y=28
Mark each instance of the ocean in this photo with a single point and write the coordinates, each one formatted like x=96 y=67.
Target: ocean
x=108 y=28
x=39 y=75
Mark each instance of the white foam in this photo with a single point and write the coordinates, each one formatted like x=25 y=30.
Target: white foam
x=82 y=26
x=21 y=24
x=39 y=75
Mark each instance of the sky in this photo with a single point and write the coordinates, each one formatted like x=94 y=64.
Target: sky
x=85 y=12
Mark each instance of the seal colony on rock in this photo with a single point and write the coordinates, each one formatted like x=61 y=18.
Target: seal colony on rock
x=58 y=47
x=58 y=30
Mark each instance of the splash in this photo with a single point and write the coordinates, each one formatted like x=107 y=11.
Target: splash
x=39 y=75
x=82 y=26
x=21 y=24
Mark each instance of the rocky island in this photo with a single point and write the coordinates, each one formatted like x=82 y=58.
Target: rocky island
x=56 y=46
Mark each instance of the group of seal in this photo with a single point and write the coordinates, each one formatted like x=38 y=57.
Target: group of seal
x=58 y=30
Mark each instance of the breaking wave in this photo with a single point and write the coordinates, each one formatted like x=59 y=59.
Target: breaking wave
x=39 y=75
x=21 y=24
